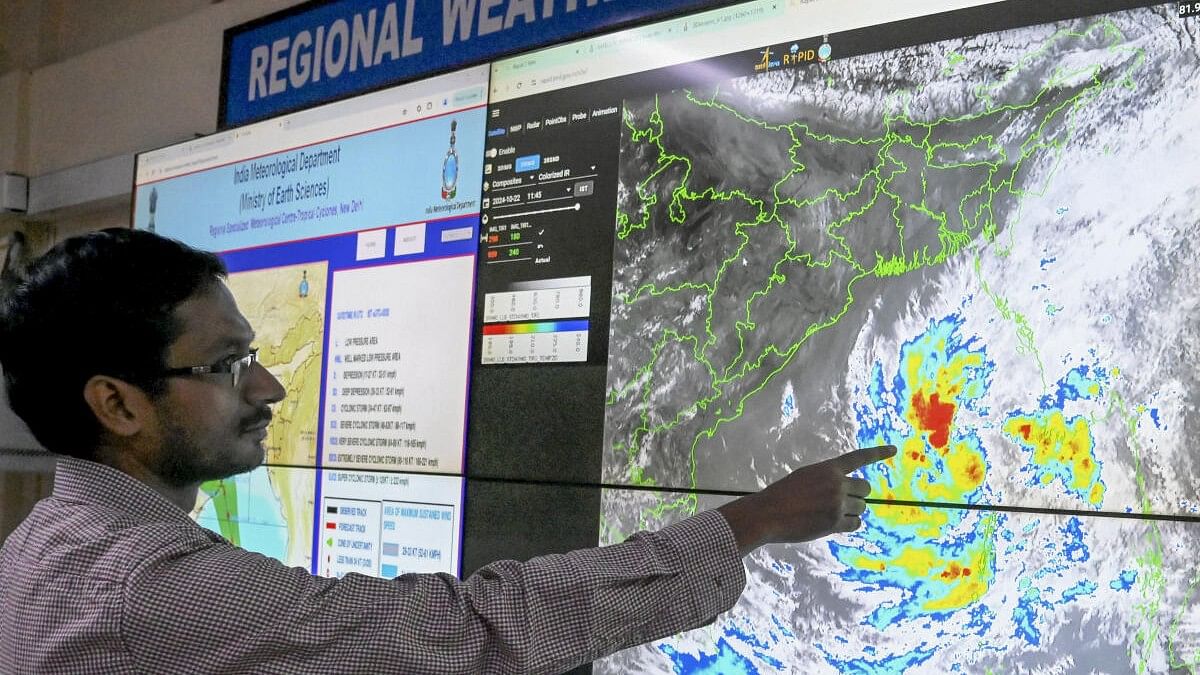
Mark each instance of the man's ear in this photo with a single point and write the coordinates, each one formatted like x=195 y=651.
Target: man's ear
x=121 y=408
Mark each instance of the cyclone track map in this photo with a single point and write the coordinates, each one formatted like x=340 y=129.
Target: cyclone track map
x=979 y=250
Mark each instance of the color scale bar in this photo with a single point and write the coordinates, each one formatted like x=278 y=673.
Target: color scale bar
x=540 y=327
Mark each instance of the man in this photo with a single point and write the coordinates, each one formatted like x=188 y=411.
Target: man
x=126 y=353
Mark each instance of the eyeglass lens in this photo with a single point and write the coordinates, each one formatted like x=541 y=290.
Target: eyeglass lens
x=240 y=367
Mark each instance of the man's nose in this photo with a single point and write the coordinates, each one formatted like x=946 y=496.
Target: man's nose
x=262 y=386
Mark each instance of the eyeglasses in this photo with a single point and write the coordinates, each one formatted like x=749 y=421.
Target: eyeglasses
x=236 y=366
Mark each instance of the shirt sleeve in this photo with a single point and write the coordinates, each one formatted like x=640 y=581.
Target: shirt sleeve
x=207 y=606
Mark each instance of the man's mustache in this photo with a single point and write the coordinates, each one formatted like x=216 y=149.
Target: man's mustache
x=262 y=416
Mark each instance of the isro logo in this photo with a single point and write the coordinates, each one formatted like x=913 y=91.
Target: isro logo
x=793 y=56
x=766 y=63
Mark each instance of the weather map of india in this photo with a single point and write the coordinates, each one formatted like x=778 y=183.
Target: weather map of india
x=979 y=250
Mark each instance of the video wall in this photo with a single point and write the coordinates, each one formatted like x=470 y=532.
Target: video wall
x=589 y=290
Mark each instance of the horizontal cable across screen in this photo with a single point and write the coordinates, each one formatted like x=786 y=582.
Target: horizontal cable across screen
x=999 y=508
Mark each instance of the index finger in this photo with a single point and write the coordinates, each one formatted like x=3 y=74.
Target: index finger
x=857 y=459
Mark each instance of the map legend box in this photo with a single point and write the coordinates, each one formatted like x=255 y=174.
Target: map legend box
x=397 y=366
x=418 y=537
x=540 y=300
x=350 y=537
x=388 y=524
x=544 y=342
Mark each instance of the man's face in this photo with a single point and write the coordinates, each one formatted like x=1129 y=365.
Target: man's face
x=210 y=429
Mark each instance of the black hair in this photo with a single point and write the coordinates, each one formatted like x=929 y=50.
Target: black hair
x=98 y=304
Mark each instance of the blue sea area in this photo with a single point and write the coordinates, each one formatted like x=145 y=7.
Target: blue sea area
x=1124 y=581
x=727 y=661
x=887 y=665
x=1074 y=547
x=1082 y=588
x=260 y=523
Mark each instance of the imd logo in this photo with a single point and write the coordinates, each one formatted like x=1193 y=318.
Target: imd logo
x=450 y=166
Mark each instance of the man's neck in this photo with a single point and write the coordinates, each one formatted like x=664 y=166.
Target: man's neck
x=182 y=496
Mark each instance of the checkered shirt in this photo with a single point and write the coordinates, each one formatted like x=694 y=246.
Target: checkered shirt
x=107 y=576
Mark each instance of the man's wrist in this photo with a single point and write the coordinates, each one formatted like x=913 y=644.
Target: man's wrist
x=745 y=522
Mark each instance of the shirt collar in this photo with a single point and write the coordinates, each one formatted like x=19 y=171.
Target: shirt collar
x=83 y=481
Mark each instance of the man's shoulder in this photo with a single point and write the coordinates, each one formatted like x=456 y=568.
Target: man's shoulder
x=94 y=540
x=67 y=571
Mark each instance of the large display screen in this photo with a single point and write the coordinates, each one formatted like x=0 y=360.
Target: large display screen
x=750 y=239
x=349 y=232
